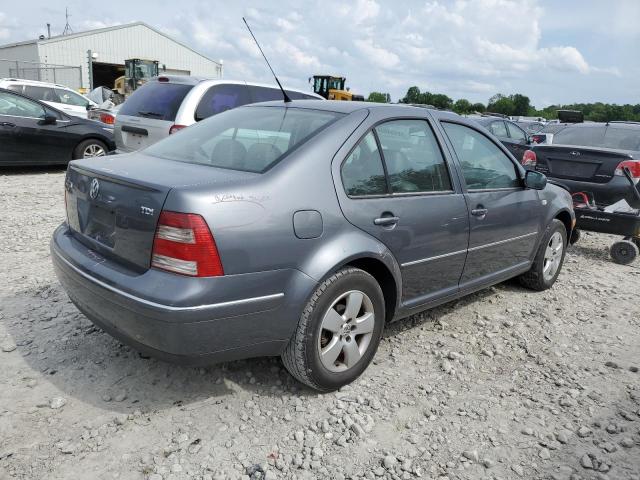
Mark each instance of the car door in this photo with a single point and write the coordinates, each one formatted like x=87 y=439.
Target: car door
x=395 y=184
x=519 y=140
x=71 y=102
x=28 y=139
x=505 y=217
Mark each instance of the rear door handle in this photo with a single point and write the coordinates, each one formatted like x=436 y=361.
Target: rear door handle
x=7 y=124
x=386 y=221
x=479 y=212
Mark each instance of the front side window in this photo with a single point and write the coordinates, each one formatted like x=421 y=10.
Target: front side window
x=15 y=106
x=362 y=171
x=45 y=94
x=249 y=139
x=412 y=156
x=516 y=133
x=71 y=98
x=484 y=165
x=220 y=98
x=498 y=129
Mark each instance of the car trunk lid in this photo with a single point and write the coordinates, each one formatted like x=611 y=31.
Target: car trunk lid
x=113 y=203
x=588 y=164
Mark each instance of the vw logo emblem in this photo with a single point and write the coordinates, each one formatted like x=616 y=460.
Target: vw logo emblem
x=94 y=189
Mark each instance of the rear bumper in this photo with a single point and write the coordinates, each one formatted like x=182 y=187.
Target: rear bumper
x=617 y=188
x=182 y=319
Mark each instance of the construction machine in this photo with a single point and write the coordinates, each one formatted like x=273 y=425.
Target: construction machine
x=136 y=73
x=332 y=88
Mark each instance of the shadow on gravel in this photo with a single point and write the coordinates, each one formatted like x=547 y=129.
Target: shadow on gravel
x=31 y=170
x=66 y=349
x=596 y=253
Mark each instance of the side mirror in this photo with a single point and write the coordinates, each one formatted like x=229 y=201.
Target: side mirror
x=48 y=120
x=88 y=107
x=535 y=180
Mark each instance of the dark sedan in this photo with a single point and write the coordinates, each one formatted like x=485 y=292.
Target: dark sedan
x=590 y=157
x=299 y=230
x=34 y=133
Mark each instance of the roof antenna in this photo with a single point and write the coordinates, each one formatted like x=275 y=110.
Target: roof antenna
x=67 y=28
x=284 y=94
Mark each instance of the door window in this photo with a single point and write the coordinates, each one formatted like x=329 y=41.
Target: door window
x=71 y=98
x=220 y=98
x=412 y=156
x=516 y=133
x=15 y=106
x=45 y=94
x=362 y=171
x=484 y=165
x=498 y=129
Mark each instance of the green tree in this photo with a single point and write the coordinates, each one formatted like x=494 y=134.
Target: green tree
x=379 y=97
x=462 y=106
x=412 y=96
x=521 y=104
x=478 y=107
x=501 y=104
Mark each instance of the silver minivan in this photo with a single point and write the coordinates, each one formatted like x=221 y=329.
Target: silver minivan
x=169 y=103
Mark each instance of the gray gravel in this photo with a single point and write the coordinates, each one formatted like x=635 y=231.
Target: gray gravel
x=504 y=384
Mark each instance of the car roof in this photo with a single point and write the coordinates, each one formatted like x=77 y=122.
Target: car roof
x=192 y=80
x=37 y=83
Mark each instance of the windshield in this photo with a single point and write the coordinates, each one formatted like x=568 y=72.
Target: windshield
x=618 y=137
x=250 y=139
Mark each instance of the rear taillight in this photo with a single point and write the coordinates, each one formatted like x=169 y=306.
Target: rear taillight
x=107 y=118
x=176 y=128
x=632 y=165
x=529 y=159
x=183 y=244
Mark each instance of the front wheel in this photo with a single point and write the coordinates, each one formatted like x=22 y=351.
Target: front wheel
x=339 y=331
x=549 y=258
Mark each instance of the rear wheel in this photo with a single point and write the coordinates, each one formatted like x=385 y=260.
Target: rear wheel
x=624 y=252
x=549 y=258
x=90 y=148
x=339 y=331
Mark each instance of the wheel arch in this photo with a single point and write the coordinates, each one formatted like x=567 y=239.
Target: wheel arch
x=565 y=217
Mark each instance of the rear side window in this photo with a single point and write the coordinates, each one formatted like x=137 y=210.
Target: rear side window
x=498 y=129
x=15 y=88
x=156 y=100
x=250 y=139
x=622 y=137
x=362 y=171
x=484 y=165
x=516 y=132
x=220 y=98
x=45 y=94
x=412 y=156
x=266 y=94
x=71 y=98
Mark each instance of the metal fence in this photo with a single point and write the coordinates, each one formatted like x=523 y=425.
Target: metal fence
x=67 y=75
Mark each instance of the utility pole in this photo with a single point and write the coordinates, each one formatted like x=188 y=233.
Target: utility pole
x=90 y=67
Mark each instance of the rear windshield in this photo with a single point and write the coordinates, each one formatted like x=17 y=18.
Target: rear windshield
x=616 y=137
x=250 y=139
x=156 y=100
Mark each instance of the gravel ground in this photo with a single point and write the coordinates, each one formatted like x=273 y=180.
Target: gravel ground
x=504 y=384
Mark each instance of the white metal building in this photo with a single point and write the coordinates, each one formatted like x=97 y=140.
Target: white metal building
x=66 y=58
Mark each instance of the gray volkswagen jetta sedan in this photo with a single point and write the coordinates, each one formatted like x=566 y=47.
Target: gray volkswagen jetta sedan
x=299 y=230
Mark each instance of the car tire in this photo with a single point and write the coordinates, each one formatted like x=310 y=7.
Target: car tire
x=624 y=252
x=90 y=148
x=326 y=351
x=549 y=258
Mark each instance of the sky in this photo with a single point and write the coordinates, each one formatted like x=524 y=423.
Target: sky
x=554 y=51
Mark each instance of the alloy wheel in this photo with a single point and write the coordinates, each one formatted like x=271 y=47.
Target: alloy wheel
x=346 y=331
x=552 y=256
x=93 y=150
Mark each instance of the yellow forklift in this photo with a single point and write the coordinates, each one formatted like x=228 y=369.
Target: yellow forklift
x=332 y=88
x=137 y=73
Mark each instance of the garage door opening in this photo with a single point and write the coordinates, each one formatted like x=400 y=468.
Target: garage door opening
x=105 y=74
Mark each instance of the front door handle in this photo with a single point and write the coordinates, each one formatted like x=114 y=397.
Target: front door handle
x=479 y=212
x=386 y=221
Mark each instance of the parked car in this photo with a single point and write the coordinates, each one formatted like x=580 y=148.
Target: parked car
x=590 y=157
x=511 y=135
x=299 y=231
x=34 y=133
x=545 y=135
x=169 y=103
x=57 y=96
x=530 y=126
x=104 y=115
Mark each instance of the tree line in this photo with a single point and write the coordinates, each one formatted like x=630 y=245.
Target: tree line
x=513 y=105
